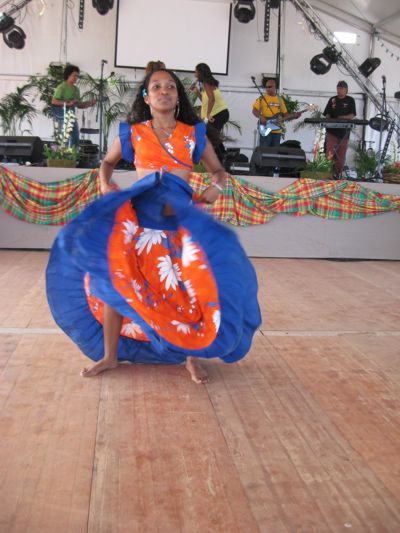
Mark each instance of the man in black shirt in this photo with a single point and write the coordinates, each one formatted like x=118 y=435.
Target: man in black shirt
x=340 y=106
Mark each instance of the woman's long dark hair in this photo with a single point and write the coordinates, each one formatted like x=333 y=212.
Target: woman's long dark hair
x=205 y=75
x=141 y=111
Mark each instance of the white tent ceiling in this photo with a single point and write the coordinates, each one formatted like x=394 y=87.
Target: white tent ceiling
x=373 y=15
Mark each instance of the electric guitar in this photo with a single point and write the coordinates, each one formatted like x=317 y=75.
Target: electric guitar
x=276 y=122
x=58 y=110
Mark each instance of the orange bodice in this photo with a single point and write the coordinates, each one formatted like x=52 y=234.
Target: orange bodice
x=183 y=148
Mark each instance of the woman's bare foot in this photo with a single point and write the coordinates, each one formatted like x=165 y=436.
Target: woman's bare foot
x=100 y=366
x=196 y=371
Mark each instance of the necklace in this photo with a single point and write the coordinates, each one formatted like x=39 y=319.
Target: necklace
x=167 y=133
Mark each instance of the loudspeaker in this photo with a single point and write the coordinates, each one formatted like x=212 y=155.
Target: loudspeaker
x=289 y=160
x=21 y=149
x=369 y=65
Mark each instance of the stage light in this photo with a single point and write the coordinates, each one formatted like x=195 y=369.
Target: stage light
x=320 y=64
x=244 y=11
x=378 y=123
x=103 y=6
x=6 y=22
x=369 y=65
x=331 y=54
x=15 y=38
x=397 y=95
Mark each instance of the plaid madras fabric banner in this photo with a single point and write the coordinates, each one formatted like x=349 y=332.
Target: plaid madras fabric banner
x=241 y=203
x=244 y=204
x=54 y=203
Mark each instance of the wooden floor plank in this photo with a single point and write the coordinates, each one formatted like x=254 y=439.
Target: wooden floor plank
x=166 y=472
x=48 y=427
x=301 y=436
x=352 y=398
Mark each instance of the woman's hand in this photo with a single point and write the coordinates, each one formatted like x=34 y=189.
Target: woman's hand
x=107 y=187
x=210 y=195
x=210 y=119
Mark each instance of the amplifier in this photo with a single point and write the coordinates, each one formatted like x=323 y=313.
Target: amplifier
x=21 y=149
x=288 y=160
x=87 y=147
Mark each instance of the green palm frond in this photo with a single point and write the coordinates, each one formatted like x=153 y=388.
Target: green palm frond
x=15 y=109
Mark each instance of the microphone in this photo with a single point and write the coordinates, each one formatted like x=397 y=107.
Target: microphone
x=104 y=61
x=384 y=79
x=253 y=79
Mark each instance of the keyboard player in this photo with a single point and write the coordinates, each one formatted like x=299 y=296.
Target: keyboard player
x=341 y=106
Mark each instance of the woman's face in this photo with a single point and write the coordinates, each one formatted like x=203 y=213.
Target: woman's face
x=162 y=93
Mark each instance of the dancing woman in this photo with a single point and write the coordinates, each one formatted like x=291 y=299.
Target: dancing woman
x=142 y=275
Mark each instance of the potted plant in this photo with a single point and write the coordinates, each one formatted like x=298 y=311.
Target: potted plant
x=366 y=163
x=45 y=85
x=61 y=154
x=391 y=172
x=320 y=168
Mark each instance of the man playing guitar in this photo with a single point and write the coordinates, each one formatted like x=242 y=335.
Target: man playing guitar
x=67 y=97
x=267 y=108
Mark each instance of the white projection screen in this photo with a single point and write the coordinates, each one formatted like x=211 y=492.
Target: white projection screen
x=181 y=33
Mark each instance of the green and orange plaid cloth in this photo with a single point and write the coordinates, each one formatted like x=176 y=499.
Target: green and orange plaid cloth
x=54 y=203
x=245 y=204
x=241 y=204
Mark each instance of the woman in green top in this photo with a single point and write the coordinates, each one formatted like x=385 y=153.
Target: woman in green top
x=67 y=96
x=214 y=109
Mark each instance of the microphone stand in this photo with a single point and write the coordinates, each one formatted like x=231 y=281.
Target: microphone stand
x=384 y=115
x=258 y=89
x=100 y=108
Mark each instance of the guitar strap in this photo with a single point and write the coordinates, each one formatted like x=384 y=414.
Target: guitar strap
x=270 y=108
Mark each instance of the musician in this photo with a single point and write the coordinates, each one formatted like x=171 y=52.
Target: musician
x=341 y=106
x=268 y=107
x=67 y=96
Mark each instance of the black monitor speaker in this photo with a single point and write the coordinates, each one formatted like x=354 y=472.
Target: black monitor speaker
x=289 y=160
x=21 y=149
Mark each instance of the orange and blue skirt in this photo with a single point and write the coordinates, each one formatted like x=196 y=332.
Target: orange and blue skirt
x=183 y=283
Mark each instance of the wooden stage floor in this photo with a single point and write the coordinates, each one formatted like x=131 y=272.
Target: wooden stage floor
x=303 y=435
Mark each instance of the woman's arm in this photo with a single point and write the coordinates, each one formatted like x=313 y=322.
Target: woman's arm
x=218 y=174
x=107 y=166
x=196 y=91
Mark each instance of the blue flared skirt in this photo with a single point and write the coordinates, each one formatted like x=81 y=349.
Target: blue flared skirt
x=86 y=248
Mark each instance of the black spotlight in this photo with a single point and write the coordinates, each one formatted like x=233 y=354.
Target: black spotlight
x=103 y=6
x=6 y=22
x=397 y=95
x=331 y=54
x=320 y=64
x=369 y=65
x=244 y=11
x=15 y=38
x=378 y=123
